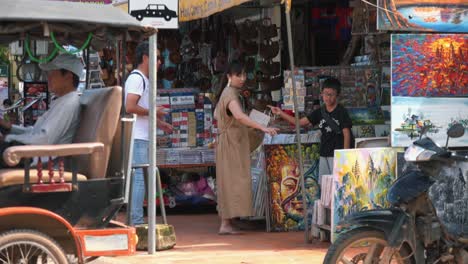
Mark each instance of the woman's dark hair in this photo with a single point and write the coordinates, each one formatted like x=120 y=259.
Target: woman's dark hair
x=141 y=50
x=332 y=83
x=76 y=78
x=233 y=68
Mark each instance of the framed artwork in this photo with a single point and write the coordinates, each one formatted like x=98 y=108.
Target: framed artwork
x=361 y=181
x=410 y=114
x=286 y=201
x=428 y=16
x=366 y=116
x=363 y=131
x=430 y=65
x=36 y=101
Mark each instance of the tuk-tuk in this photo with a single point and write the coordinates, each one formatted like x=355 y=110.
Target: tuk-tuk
x=62 y=211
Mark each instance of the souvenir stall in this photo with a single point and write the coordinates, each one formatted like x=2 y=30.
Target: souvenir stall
x=365 y=93
x=427 y=91
x=193 y=61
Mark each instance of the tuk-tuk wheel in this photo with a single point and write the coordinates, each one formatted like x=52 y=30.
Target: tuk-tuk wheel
x=29 y=246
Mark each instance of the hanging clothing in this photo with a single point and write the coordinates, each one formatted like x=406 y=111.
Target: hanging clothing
x=233 y=180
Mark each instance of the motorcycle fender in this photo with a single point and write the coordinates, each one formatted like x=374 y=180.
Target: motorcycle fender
x=394 y=223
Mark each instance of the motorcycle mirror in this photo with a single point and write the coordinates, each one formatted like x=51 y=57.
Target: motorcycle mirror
x=456 y=131
x=424 y=130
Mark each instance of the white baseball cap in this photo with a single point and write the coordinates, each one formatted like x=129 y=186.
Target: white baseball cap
x=64 y=61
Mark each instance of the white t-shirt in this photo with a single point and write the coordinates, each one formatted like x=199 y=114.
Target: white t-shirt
x=135 y=84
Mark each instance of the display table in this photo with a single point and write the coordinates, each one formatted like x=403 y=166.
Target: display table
x=186 y=166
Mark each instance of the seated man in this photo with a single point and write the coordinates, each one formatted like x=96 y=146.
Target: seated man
x=59 y=124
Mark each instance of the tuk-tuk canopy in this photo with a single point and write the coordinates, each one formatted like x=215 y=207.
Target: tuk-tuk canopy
x=69 y=21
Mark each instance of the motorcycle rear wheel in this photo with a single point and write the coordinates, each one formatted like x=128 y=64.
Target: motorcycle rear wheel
x=354 y=246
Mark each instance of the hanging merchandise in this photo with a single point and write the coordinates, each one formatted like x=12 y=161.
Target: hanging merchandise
x=267 y=29
x=36 y=101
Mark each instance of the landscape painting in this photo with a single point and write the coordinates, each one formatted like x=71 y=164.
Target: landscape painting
x=282 y=168
x=430 y=65
x=423 y=15
x=411 y=114
x=363 y=131
x=366 y=116
x=361 y=181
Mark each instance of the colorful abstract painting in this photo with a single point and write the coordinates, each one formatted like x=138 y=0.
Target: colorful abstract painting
x=366 y=116
x=430 y=65
x=362 y=179
x=423 y=15
x=411 y=114
x=286 y=199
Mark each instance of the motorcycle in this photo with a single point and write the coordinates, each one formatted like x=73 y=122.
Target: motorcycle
x=410 y=232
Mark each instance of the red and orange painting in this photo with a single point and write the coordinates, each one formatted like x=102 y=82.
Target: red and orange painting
x=430 y=65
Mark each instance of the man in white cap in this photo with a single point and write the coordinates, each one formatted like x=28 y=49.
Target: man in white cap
x=58 y=124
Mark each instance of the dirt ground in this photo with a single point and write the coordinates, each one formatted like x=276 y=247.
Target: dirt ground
x=198 y=242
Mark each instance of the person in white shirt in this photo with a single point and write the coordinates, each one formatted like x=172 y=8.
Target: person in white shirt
x=137 y=89
x=58 y=124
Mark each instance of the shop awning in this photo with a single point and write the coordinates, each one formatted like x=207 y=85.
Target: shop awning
x=195 y=9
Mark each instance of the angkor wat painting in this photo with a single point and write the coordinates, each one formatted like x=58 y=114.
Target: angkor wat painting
x=423 y=15
x=430 y=65
x=361 y=181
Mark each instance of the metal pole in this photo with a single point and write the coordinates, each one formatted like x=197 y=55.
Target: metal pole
x=152 y=146
x=88 y=72
x=298 y=131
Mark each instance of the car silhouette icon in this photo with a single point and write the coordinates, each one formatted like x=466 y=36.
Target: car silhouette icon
x=154 y=10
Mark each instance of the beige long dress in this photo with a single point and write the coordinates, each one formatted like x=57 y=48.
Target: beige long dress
x=233 y=180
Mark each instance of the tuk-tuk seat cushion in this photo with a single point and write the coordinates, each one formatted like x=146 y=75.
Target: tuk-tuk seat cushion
x=99 y=118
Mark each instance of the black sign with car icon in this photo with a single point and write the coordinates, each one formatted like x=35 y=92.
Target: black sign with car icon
x=154 y=10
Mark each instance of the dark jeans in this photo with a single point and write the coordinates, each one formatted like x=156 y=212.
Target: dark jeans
x=3 y=147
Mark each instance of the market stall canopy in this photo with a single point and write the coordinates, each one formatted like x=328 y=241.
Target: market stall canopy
x=195 y=9
x=69 y=21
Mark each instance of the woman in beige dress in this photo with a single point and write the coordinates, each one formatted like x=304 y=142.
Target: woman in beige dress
x=233 y=151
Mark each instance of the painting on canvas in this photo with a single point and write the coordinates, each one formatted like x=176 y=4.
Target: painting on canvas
x=411 y=114
x=363 y=131
x=366 y=116
x=284 y=186
x=430 y=65
x=423 y=15
x=448 y=194
x=362 y=179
